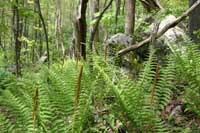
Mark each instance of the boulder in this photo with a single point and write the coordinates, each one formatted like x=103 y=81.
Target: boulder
x=120 y=39
x=173 y=34
x=173 y=38
x=117 y=42
x=171 y=41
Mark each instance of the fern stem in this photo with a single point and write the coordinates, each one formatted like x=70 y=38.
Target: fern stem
x=77 y=93
x=35 y=107
x=154 y=83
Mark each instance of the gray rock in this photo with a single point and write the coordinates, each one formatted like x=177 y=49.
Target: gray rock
x=43 y=58
x=173 y=34
x=172 y=40
x=120 y=39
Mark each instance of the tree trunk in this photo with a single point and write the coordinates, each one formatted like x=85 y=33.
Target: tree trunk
x=58 y=28
x=40 y=41
x=130 y=17
x=194 y=22
x=1 y=32
x=17 y=35
x=117 y=13
x=82 y=27
x=37 y=2
x=94 y=8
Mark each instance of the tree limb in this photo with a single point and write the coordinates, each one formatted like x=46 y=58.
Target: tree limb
x=161 y=32
x=97 y=24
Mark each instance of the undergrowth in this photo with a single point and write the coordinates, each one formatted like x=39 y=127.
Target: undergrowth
x=72 y=98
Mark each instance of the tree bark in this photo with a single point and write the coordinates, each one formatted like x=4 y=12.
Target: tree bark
x=130 y=17
x=92 y=37
x=117 y=13
x=17 y=35
x=194 y=22
x=94 y=8
x=58 y=28
x=1 y=32
x=82 y=27
x=37 y=2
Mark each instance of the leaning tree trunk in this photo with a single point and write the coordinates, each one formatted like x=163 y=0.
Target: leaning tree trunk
x=37 y=4
x=194 y=22
x=94 y=8
x=130 y=17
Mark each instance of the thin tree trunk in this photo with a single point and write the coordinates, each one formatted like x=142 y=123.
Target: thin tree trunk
x=40 y=42
x=58 y=24
x=117 y=12
x=37 y=2
x=58 y=28
x=1 y=32
x=82 y=27
x=123 y=7
x=92 y=37
x=130 y=17
x=17 y=35
x=194 y=22
x=94 y=8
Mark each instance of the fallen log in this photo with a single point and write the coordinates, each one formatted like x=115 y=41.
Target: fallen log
x=161 y=32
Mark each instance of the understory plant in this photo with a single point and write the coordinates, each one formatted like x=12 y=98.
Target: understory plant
x=73 y=97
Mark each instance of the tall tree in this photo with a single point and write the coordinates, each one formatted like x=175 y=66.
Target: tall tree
x=194 y=22
x=81 y=28
x=130 y=17
x=117 y=13
x=94 y=8
x=17 y=34
x=58 y=27
x=37 y=4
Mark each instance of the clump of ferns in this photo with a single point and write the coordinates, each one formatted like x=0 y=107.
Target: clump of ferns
x=187 y=66
x=101 y=120
x=55 y=100
x=139 y=103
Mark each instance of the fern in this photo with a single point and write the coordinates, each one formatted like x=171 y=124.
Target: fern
x=187 y=68
x=52 y=108
x=71 y=98
x=133 y=98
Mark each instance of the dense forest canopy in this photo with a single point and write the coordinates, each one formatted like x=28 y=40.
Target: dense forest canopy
x=113 y=66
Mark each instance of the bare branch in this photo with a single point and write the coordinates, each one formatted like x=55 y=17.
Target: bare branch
x=162 y=31
x=97 y=24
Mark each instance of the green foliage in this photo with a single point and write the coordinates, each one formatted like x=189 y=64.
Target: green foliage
x=55 y=101
x=109 y=22
x=197 y=33
x=187 y=69
x=56 y=110
x=175 y=7
x=139 y=105
x=107 y=97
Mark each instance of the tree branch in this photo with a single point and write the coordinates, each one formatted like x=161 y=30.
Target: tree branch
x=97 y=24
x=161 y=32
